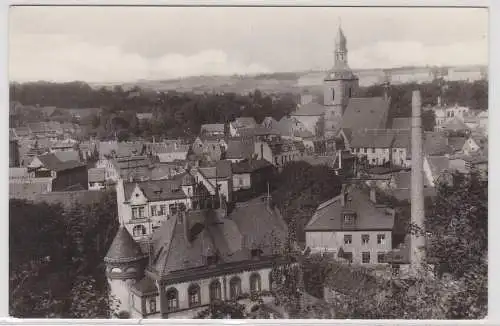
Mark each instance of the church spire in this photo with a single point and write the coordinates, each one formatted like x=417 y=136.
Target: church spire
x=340 y=45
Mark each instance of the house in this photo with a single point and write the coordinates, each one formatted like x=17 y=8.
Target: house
x=64 y=174
x=474 y=143
x=220 y=174
x=241 y=123
x=401 y=148
x=168 y=153
x=373 y=145
x=352 y=225
x=309 y=115
x=24 y=185
x=252 y=175
x=144 y=205
x=239 y=149
x=287 y=126
x=213 y=129
x=195 y=258
x=144 y=116
x=97 y=179
x=269 y=122
x=279 y=152
x=439 y=118
x=210 y=147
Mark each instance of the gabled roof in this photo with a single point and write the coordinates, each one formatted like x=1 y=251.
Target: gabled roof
x=435 y=143
x=96 y=175
x=244 y=122
x=156 y=190
x=401 y=123
x=369 y=217
x=375 y=138
x=51 y=162
x=438 y=165
x=124 y=249
x=65 y=156
x=455 y=125
x=221 y=170
x=310 y=109
x=366 y=113
x=258 y=131
x=457 y=143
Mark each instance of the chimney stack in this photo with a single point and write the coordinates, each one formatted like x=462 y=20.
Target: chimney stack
x=373 y=194
x=417 y=183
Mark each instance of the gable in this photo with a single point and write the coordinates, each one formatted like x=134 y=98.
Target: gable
x=137 y=197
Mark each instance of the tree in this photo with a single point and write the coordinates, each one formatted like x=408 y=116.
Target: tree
x=428 y=120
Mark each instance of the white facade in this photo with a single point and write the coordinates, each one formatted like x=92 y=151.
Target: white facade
x=375 y=156
x=379 y=242
x=241 y=181
x=400 y=157
x=96 y=185
x=110 y=172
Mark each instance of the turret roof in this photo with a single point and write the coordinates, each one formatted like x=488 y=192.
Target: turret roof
x=124 y=249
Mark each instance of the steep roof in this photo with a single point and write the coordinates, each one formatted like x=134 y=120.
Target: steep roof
x=249 y=225
x=435 y=143
x=366 y=113
x=401 y=123
x=310 y=109
x=221 y=170
x=376 y=138
x=457 y=143
x=123 y=249
x=438 y=164
x=328 y=215
x=156 y=190
x=455 y=125
x=239 y=149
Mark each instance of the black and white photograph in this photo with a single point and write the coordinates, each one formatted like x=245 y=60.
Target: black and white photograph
x=232 y=162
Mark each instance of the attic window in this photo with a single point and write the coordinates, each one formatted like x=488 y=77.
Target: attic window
x=256 y=252
x=349 y=218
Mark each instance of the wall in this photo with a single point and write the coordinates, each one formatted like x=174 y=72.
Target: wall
x=241 y=181
x=309 y=121
x=332 y=241
x=376 y=158
x=71 y=177
x=399 y=157
x=96 y=185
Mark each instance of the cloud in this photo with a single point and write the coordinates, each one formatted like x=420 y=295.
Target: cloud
x=61 y=58
x=408 y=53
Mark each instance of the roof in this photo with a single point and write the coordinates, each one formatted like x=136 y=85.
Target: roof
x=18 y=173
x=97 y=175
x=310 y=109
x=401 y=123
x=145 y=286
x=328 y=216
x=402 y=139
x=212 y=127
x=53 y=163
x=366 y=113
x=250 y=224
x=65 y=156
x=221 y=170
x=29 y=190
x=123 y=249
x=156 y=190
x=455 y=124
x=457 y=143
x=258 y=131
x=376 y=138
x=435 y=143
x=244 y=122
x=239 y=149
x=288 y=124
x=106 y=148
x=249 y=166
x=144 y=116
x=438 y=164
x=303 y=134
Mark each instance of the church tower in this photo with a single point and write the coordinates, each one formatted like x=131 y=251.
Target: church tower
x=340 y=85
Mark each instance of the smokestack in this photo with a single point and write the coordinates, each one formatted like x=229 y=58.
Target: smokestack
x=417 y=183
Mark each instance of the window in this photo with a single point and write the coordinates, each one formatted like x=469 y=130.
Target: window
x=333 y=94
x=215 y=290
x=194 y=295
x=365 y=238
x=365 y=257
x=234 y=288
x=173 y=209
x=380 y=238
x=350 y=92
x=395 y=270
x=152 y=305
x=141 y=212
x=381 y=257
x=172 y=299
x=347 y=239
x=348 y=218
x=135 y=212
x=348 y=256
x=373 y=150
x=153 y=210
x=255 y=284
x=139 y=230
x=162 y=210
x=241 y=182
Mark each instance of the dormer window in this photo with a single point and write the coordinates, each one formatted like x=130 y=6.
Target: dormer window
x=349 y=218
x=256 y=252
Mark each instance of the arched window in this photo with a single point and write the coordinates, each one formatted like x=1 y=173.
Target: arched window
x=234 y=288
x=215 y=290
x=255 y=284
x=350 y=92
x=194 y=295
x=333 y=94
x=172 y=299
x=139 y=230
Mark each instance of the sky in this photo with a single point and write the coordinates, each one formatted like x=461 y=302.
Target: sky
x=123 y=44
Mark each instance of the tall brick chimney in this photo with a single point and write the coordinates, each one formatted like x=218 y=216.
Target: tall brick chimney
x=417 y=183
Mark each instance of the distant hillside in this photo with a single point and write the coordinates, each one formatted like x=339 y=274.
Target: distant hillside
x=297 y=82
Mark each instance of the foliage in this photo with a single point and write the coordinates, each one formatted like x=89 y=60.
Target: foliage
x=56 y=258
x=223 y=310
x=299 y=189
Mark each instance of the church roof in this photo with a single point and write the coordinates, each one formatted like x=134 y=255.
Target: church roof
x=366 y=113
x=340 y=40
x=123 y=249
